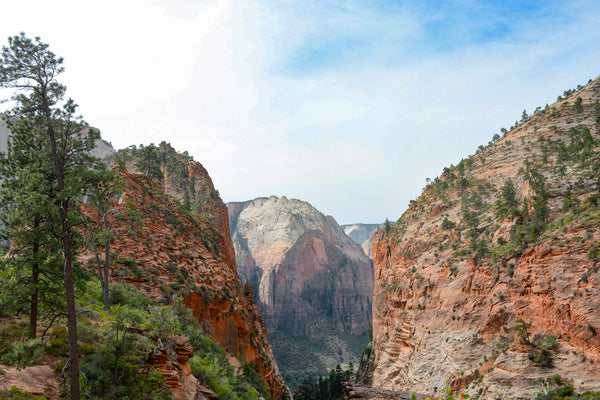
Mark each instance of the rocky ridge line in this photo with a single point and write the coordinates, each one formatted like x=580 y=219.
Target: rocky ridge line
x=171 y=251
x=489 y=293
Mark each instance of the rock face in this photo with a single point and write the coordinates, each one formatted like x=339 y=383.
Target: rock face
x=178 y=375
x=312 y=283
x=102 y=150
x=489 y=289
x=362 y=234
x=308 y=276
x=39 y=380
x=166 y=250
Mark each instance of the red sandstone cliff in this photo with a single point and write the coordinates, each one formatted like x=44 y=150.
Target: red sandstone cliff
x=168 y=250
x=489 y=292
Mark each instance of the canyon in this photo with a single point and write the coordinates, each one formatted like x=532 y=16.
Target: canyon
x=312 y=283
x=362 y=234
x=488 y=284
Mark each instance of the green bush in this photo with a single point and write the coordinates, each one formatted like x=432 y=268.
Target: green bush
x=255 y=379
x=24 y=354
x=447 y=224
x=17 y=394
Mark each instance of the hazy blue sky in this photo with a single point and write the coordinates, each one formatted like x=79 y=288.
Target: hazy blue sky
x=349 y=105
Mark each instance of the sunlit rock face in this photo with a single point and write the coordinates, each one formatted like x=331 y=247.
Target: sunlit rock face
x=309 y=277
x=464 y=299
x=170 y=252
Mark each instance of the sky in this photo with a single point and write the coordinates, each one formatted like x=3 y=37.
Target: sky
x=349 y=105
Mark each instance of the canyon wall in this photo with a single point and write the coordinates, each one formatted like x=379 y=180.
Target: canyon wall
x=310 y=279
x=169 y=249
x=488 y=284
x=307 y=274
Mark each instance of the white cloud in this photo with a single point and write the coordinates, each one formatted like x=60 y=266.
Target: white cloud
x=355 y=133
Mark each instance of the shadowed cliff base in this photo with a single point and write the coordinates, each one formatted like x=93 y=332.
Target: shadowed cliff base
x=299 y=357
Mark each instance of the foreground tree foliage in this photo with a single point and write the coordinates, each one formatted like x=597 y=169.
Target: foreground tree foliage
x=45 y=172
x=118 y=348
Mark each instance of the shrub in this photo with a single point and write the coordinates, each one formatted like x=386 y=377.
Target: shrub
x=17 y=394
x=447 y=224
x=542 y=355
x=24 y=354
x=542 y=358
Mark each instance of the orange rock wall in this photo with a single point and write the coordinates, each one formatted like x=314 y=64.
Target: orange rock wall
x=176 y=253
x=445 y=316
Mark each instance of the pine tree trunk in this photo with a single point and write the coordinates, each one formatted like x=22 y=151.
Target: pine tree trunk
x=105 y=293
x=74 y=392
x=35 y=279
x=103 y=277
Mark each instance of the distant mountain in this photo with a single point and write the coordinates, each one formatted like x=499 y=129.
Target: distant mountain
x=363 y=235
x=102 y=150
x=311 y=281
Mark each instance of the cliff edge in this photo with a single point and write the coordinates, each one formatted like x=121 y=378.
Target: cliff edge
x=488 y=284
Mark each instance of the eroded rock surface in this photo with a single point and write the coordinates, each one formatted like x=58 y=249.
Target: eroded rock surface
x=167 y=251
x=490 y=302
x=38 y=380
x=308 y=276
x=312 y=283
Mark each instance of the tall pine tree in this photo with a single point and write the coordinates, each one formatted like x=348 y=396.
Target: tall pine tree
x=46 y=177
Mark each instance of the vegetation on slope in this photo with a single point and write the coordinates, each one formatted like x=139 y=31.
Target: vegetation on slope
x=483 y=230
x=297 y=364
x=118 y=348
x=562 y=162
x=45 y=173
x=325 y=387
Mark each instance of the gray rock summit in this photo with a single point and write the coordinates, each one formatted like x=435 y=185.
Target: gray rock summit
x=102 y=150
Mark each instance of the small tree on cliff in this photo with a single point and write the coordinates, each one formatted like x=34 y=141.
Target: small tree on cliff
x=522 y=329
x=148 y=162
x=103 y=191
x=57 y=168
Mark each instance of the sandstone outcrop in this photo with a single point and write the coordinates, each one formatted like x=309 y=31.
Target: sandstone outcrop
x=487 y=289
x=362 y=234
x=178 y=374
x=168 y=250
x=38 y=380
x=358 y=392
x=309 y=278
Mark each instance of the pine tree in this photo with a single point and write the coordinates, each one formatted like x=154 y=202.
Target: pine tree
x=56 y=170
x=148 y=162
